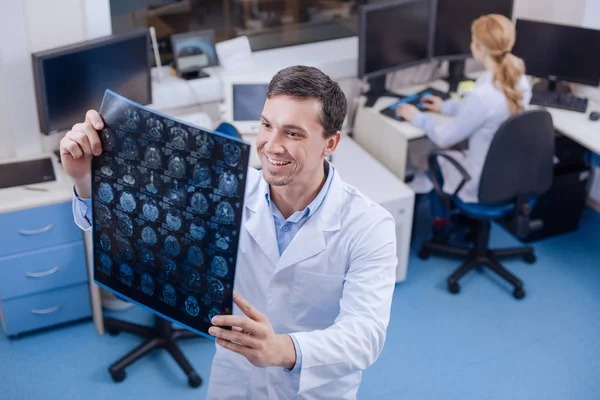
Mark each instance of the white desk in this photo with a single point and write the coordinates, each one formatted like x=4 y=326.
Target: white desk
x=578 y=127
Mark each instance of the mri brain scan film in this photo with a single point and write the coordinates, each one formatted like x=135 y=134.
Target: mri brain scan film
x=167 y=202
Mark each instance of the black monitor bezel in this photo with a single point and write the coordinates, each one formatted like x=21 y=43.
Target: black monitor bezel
x=39 y=58
x=362 y=32
x=207 y=33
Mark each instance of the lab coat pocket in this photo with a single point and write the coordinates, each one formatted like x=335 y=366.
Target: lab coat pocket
x=316 y=298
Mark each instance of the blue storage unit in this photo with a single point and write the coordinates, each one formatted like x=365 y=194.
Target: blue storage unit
x=43 y=269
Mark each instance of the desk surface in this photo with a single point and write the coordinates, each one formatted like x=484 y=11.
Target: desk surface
x=577 y=126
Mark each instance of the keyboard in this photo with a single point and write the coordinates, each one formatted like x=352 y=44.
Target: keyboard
x=415 y=100
x=559 y=100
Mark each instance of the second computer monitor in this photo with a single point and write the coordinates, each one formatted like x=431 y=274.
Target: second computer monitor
x=244 y=98
x=453 y=20
x=393 y=36
x=559 y=52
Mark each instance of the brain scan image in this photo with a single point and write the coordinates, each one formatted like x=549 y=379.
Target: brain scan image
x=197 y=230
x=124 y=249
x=147 y=284
x=228 y=184
x=105 y=242
x=104 y=215
x=108 y=140
x=176 y=195
x=232 y=153
x=216 y=290
x=205 y=145
x=130 y=175
x=127 y=202
x=125 y=225
x=191 y=306
x=150 y=210
x=218 y=266
x=172 y=246
x=146 y=257
x=107 y=168
x=225 y=213
x=132 y=119
x=153 y=157
x=126 y=274
x=194 y=256
x=169 y=295
x=213 y=313
x=105 y=192
x=199 y=203
x=170 y=269
x=173 y=219
x=106 y=263
x=222 y=241
x=193 y=279
x=179 y=138
x=152 y=185
x=177 y=167
x=201 y=176
x=129 y=149
x=149 y=236
x=155 y=128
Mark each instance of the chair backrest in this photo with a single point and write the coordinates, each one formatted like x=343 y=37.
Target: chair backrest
x=519 y=163
x=228 y=129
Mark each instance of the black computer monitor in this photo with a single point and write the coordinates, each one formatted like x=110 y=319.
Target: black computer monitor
x=453 y=20
x=559 y=52
x=194 y=51
x=393 y=35
x=71 y=80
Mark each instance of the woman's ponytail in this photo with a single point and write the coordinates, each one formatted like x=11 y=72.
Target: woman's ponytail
x=509 y=71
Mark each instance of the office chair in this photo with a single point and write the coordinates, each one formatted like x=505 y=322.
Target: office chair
x=518 y=168
x=162 y=334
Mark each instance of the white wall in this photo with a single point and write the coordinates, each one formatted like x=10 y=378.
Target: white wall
x=569 y=12
x=591 y=18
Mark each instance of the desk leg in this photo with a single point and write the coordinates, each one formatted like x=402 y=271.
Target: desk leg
x=94 y=289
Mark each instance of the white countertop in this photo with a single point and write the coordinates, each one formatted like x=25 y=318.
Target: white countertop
x=40 y=194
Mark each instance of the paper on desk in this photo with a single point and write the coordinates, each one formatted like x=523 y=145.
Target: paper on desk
x=235 y=54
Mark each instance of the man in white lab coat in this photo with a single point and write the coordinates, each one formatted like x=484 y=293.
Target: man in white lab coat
x=316 y=261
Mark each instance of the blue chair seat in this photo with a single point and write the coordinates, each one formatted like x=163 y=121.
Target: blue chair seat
x=486 y=211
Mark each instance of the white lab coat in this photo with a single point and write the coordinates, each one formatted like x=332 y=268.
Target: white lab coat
x=477 y=118
x=331 y=288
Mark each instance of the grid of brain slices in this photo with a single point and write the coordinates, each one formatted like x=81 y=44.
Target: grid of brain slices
x=173 y=216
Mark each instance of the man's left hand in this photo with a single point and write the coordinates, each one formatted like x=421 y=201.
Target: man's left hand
x=407 y=111
x=253 y=337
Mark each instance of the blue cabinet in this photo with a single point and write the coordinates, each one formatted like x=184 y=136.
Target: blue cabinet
x=43 y=269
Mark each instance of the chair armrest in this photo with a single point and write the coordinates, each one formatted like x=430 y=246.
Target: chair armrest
x=434 y=178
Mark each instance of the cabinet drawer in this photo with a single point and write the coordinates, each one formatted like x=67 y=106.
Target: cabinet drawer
x=42 y=270
x=37 y=227
x=41 y=310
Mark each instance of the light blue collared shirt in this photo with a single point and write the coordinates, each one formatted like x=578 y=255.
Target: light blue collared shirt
x=285 y=230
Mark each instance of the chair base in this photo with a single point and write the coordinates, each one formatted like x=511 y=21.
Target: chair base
x=162 y=335
x=479 y=256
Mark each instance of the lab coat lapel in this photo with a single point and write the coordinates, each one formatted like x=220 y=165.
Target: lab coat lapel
x=310 y=239
x=260 y=224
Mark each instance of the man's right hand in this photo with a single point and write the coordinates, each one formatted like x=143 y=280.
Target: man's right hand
x=78 y=147
x=432 y=103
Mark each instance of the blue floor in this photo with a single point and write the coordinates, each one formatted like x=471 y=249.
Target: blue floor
x=480 y=344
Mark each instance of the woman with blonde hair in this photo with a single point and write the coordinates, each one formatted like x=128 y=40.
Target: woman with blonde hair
x=502 y=91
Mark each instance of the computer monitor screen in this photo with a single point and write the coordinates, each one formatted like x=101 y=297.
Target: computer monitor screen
x=194 y=50
x=71 y=80
x=393 y=36
x=453 y=20
x=248 y=101
x=559 y=52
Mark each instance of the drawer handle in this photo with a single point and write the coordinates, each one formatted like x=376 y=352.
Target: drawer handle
x=46 y=310
x=35 y=231
x=40 y=274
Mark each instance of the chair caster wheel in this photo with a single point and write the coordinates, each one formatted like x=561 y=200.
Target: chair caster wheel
x=519 y=293
x=529 y=258
x=453 y=287
x=113 y=332
x=423 y=254
x=118 y=375
x=194 y=380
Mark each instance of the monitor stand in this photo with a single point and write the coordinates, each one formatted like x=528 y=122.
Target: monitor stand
x=189 y=75
x=552 y=85
x=376 y=90
x=456 y=74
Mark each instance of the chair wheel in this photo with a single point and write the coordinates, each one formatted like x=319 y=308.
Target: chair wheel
x=529 y=258
x=453 y=287
x=113 y=332
x=118 y=375
x=423 y=254
x=519 y=293
x=194 y=380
